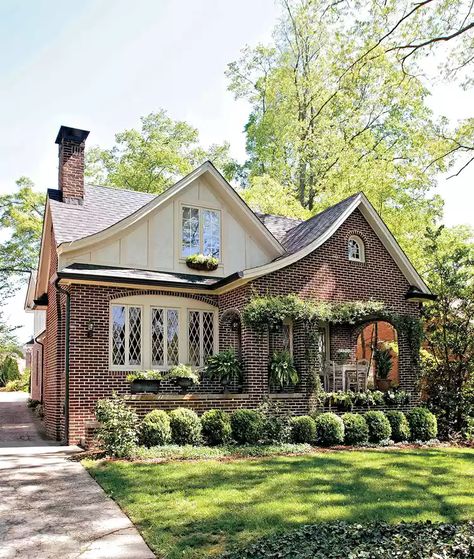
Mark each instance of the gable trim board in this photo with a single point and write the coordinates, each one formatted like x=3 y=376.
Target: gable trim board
x=121 y=226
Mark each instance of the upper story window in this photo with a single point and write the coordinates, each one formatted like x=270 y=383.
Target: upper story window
x=356 y=249
x=200 y=232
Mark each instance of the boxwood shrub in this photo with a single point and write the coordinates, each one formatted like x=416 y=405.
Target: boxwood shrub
x=379 y=426
x=216 y=427
x=329 y=429
x=423 y=424
x=356 y=430
x=303 y=429
x=247 y=426
x=399 y=424
x=155 y=429
x=185 y=426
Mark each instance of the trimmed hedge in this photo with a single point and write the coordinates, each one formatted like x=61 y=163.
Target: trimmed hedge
x=374 y=540
x=247 y=426
x=399 y=424
x=356 y=430
x=155 y=429
x=185 y=426
x=216 y=427
x=379 y=426
x=303 y=429
x=329 y=429
x=423 y=424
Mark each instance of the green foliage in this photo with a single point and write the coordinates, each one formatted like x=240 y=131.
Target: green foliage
x=356 y=430
x=396 y=397
x=276 y=423
x=329 y=429
x=9 y=370
x=376 y=540
x=216 y=427
x=247 y=426
x=155 y=429
x=383 y=362
x=379 y=426
x=224 y=366
x=303 y=429
x=202 y=262
x=185 y=426
x=448 y=365
x=154 y=157
x=21 y=384
x=144 y=375
x=282 y=371
x=183 y=371
x=117 y=433
x=399 y=424
x=423 y=424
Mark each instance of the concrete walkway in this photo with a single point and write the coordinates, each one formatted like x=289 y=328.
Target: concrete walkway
x=49 y=506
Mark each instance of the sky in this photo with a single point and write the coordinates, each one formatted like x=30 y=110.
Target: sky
x=100 y=65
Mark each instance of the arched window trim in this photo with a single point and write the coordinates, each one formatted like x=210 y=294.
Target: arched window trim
x=361 y=246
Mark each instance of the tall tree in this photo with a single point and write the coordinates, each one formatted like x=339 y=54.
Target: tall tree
x=328 y=119
x=153 y=158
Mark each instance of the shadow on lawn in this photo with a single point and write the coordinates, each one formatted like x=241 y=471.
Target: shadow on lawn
x=198 y=509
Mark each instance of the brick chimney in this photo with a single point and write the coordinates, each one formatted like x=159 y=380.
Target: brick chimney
x=71 y=143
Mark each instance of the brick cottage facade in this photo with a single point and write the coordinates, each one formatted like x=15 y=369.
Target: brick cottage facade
x=119 y=297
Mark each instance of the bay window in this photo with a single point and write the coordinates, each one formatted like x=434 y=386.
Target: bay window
x=126 y=335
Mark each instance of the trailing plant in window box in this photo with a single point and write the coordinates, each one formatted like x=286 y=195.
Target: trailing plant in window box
x=184 y=376
x=202 y=262
x=145 y=381
x=226 y=367
x=396 y=397
x=343 y=401
x=282 y=370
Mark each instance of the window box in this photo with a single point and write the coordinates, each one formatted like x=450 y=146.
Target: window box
x=140 y=386
x=202 y=263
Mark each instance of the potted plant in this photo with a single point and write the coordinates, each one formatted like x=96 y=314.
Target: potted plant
x=202 y=262
x=184 y=376
x=342 y=355
x=226 y=367
x=343 y=400
x=145 y=381
x=282 y=370
x=383 y=367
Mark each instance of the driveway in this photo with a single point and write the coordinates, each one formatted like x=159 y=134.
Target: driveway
x=49 y=506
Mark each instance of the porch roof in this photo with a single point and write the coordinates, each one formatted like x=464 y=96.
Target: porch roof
x=111 y=274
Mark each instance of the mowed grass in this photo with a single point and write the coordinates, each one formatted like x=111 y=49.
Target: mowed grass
x=200 y=509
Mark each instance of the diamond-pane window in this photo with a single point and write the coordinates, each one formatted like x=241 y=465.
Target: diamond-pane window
x=172 y=336
x=194 y=337
x=207 y=335
x=157 y=338
x=135 y=336
x=118 y=335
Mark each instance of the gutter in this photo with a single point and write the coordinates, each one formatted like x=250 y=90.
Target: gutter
x=60 y=290
x=42 y=363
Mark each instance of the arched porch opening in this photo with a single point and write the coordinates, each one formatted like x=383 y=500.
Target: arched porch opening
x=231 y=331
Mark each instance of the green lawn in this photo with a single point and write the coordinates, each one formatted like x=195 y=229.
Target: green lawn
x=198 y=509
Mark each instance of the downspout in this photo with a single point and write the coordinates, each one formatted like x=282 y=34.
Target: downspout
x=66 y=366
x=42 y=364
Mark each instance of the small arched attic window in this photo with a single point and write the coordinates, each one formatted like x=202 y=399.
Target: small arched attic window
x=356 y=249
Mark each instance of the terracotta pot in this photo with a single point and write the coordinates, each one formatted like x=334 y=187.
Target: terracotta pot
x=383 y=384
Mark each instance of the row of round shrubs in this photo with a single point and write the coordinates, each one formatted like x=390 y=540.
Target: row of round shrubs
x=182 y=426
x=329 y=429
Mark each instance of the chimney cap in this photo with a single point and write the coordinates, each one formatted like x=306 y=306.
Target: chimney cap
x=75 y=134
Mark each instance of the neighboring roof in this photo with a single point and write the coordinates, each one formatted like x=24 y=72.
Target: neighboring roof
x=92 y=272
x=309 y=230
x=278 y=225
x=103 y=206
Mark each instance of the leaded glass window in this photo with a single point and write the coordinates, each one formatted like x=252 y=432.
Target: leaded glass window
x=201 y=232
x=200 y=337
x=126 y=335
x=164 y=337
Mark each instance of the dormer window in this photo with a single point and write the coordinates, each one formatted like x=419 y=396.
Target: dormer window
x=201 y=232
x=356 y=250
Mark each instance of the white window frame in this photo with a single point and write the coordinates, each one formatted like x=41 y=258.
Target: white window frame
x=181 y=304
x=361 y=245
x=165 y=310
x=201 y=228
x=201 y=333
x=126 y=366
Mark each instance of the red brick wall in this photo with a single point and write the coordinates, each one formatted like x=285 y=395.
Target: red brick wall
x=71 y=170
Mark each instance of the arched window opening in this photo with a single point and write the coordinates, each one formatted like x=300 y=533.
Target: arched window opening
x=356 y=249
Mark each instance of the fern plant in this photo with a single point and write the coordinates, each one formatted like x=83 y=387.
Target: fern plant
x=282 y=370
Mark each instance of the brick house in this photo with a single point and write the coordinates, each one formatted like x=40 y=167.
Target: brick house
x=118 y=296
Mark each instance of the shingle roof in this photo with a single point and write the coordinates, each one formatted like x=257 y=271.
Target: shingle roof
x=308 y=231
x=103 y=206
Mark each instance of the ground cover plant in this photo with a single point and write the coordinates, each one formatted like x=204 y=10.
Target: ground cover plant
x=195 y=509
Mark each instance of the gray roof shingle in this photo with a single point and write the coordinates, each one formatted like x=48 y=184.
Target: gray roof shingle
x=278 y=225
